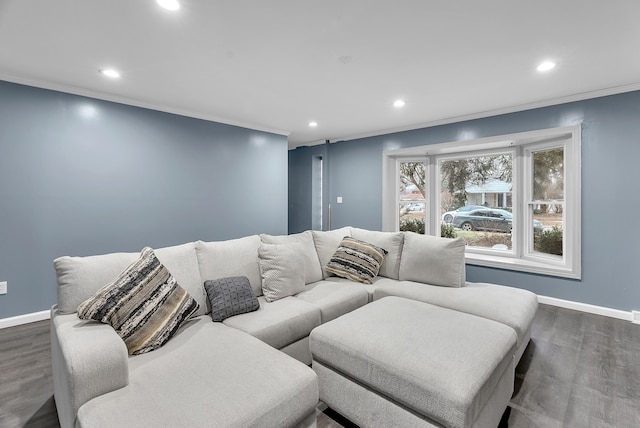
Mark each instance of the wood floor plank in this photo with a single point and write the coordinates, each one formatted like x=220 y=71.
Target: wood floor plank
x=579 y=370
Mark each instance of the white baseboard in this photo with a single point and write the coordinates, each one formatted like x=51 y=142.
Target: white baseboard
x=24 y=319
x=591 y=309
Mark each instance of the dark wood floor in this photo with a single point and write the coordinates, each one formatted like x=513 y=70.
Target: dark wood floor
x=580 y=370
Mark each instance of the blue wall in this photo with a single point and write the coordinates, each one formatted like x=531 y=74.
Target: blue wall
x=80 y=176
x=610 y=177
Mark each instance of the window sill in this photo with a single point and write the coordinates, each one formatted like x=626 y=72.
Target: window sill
x=529 y=266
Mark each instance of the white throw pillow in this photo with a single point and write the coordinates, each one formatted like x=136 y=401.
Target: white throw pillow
x=282 y=270
x=312 y=268
x=433 y=260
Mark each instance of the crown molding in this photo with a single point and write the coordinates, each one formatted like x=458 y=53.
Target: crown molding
x=614 y=90
x=76 y=90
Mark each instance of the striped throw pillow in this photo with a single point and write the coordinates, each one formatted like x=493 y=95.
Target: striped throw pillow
x=356 y=260
x=144 y=304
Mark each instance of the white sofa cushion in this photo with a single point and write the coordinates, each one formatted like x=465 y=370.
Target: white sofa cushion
x=208 y=375
x=79 y=278
x=327 y=242
x=432 y=260
x=507 y=305
x=182 y=262
x=312 y=268
x=334 y=298
x=390 y=241
x=281 y=267
x=235 y=257
x=279 y=323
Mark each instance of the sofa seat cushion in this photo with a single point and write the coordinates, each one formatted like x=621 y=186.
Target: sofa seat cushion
x=510 y=306
x=278 y=323
x=209 y=375
x=334 y=298
x=378 y=281
x=439 y=363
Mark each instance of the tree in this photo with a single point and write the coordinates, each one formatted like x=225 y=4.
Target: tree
x=548 y=174
x=412 y=173
x=457 y=174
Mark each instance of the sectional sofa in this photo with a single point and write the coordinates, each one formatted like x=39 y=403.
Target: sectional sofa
x=240 y=372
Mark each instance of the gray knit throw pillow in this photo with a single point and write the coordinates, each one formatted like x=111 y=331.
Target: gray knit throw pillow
x=230 y=296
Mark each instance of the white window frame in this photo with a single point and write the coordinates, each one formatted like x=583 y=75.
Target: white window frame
x=522 y=144
x=428 y=203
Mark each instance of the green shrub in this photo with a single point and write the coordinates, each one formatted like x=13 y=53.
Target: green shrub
x=417 y=225
x=447 y=231
x=549 y=241
x=412 y=225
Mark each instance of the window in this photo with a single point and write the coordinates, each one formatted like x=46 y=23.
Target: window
x=412 y=202
x=514 y=199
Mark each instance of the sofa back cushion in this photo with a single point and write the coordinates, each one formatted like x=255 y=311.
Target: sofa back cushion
x=79 y=278
x=326 y=243
x=390 y=241
x=182 y=262
x=235 y=257
x=312 y=268
x=433 y=260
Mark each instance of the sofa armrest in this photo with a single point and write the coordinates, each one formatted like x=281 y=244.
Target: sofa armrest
x=89 y=359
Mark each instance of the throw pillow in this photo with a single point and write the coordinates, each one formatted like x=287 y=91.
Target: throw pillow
x=282 y=270
x=230 y=296
x=144 y=304
x=312 y=267
x=356 y=260
x=433 y=260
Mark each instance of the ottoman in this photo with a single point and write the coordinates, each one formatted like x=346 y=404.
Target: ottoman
x=399 y=362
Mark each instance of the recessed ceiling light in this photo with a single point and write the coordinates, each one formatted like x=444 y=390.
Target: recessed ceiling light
x=546 y=66
x=110 y=72
x=399 y=103
x=169 y=4
x=313 y=124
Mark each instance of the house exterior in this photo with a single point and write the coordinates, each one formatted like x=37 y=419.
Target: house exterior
x=492 y=193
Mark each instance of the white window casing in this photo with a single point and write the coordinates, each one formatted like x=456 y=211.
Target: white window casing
x=521 y=146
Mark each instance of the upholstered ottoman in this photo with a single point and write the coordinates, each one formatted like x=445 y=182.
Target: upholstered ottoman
x=399 y=362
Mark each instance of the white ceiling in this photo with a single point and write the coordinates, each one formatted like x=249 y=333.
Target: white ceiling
x=276 y=65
